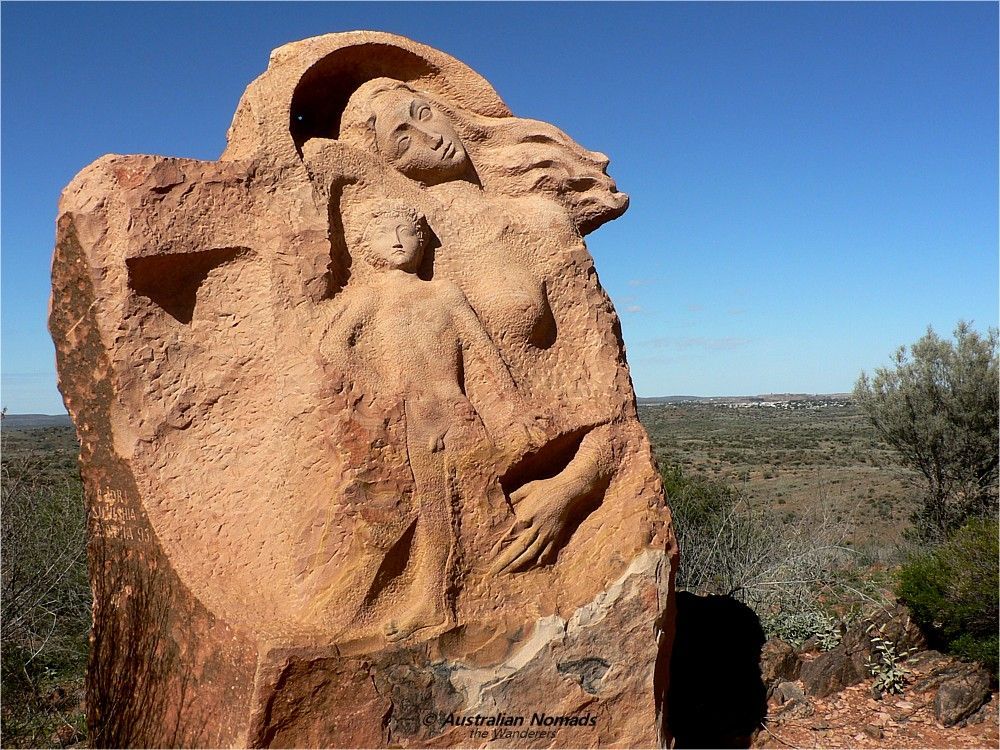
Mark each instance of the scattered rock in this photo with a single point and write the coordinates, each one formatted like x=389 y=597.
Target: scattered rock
x=873 y=731
x=936 y=669
x=962 y=695
x=788 y=691
x=791 y=702
x=778 y=662
x=897 y=626
x=809 y=646
x=846 y=664
x=852 y=719
x=795 y=710
x=928 y=661
x=981 y=715
x=832 y=671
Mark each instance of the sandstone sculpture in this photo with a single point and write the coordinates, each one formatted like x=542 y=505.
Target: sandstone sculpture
x=358 y=436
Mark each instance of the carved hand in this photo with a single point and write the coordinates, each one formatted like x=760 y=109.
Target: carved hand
x=542 y=508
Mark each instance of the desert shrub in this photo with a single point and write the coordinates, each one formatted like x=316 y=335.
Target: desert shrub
x=938 y=407
x=787 y=569
x=886 y=662
x=952 y=592
x=45 y=594
x=798 y=627
x=697 y=504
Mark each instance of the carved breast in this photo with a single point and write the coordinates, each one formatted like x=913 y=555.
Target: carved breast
x=513 y=307
x=494 y=261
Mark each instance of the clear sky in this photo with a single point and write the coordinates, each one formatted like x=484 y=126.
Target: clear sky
x=812 y=184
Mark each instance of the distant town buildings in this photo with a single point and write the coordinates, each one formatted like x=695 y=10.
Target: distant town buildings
x=770 y=401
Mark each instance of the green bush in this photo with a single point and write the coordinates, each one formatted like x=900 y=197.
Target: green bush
x=952 y=592
x=697 y=503
x=798 y=626
x=938 y=406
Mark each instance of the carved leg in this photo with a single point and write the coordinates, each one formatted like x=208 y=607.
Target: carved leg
x=426 y=603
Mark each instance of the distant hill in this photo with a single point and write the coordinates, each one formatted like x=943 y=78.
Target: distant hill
x=33 y=421
x=764 y=398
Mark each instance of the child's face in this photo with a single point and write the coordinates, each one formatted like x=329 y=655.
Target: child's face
x=396 y=241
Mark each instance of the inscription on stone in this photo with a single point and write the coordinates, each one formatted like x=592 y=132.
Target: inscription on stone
x=112 y=516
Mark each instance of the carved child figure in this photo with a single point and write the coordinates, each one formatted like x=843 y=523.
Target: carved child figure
x=421 y=342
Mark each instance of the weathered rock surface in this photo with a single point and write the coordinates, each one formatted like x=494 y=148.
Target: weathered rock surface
x=834 y=670
x=961 y=694
x=791 y=700
x=788 y=691
x=779 y=663
x=358 y=437
x=897 y=626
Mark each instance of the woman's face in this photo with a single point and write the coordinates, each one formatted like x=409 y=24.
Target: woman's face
x=417 y=139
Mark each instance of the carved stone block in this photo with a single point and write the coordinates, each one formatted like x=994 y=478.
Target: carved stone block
x=359 y=441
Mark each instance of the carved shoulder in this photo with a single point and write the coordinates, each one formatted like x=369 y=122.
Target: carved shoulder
x=449 y=291
x=346 y=320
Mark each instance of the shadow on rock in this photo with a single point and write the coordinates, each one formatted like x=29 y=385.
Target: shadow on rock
x=716 y=696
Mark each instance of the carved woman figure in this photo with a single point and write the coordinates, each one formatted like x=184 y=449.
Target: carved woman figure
x=419 y=342
x=510 y=199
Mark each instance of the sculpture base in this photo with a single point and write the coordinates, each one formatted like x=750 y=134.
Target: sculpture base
x=597 y=678
x=184 y=679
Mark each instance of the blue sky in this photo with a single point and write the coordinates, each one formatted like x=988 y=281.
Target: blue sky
x=812 y=184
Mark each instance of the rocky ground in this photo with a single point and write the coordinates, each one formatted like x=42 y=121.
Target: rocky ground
x=830 y=699
x=853 y=718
